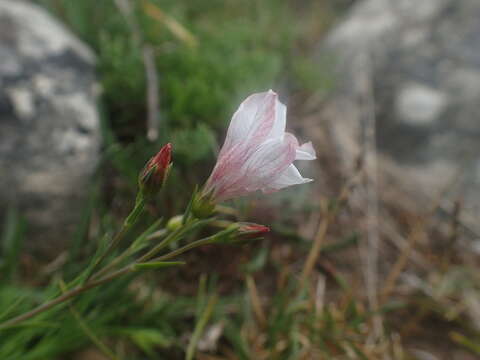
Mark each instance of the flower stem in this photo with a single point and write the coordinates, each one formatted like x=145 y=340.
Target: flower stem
x=205 y=241
x=94 y=283
x=66 y=296
x=165 y=242
x=131 y=219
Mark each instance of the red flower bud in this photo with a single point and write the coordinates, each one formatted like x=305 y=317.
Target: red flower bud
x=252 y=230
x=155 y=172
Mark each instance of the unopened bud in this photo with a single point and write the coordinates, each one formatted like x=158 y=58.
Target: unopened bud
x=175 y=222
x=241 y=231
x=155 y=172
x=251 y=230
x=202 y=206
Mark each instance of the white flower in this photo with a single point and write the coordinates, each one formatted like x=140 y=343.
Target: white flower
x=257 y=154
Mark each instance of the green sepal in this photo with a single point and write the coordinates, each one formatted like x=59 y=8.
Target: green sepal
x=202 y=206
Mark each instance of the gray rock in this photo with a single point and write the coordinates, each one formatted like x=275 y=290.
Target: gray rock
x=414 y=65
x=49 y=123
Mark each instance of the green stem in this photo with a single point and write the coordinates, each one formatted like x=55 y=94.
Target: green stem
x=200 y=326
x=165 y=242
x=112 y=264
x=128 y=252
x=66 y=296
x=97 y=277
x=94 y=283
x=206 y=241
x=86 y=329
x=131 y=219
x=173 y=236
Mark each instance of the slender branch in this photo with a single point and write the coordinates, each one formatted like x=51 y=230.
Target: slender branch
x=174 y=235
x=86 y=329
x=113 y=244
x=112 y=264
x=206 y=241
x=66 y=296
x=165 y=242
x=129 y=252
x=94 y=283
x=128 y=223
x=202 y=322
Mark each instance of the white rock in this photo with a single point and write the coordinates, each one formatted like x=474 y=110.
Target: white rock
x=49 y=123
x=418 y=104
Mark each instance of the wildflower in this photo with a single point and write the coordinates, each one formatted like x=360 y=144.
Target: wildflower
x=257 y=154
x=155 y=172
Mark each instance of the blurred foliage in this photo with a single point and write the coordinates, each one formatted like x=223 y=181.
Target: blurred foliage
x=209 y=55
x=239 y=48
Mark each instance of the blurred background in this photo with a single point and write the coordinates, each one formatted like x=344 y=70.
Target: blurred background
x=376 y=259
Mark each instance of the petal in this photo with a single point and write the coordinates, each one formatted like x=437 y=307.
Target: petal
x=253 y=120
x=278 y=129
x=306 y=152
x=291 y=176
x=269 y=162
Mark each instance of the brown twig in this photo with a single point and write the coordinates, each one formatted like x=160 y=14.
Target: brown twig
x=153 y=91
x=400 y=264
x=371 y=252
x=392 y=235
x=148 y=57
x=329 y=215
x=255 y=300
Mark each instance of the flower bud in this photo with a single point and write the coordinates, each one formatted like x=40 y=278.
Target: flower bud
x=239 y=231
x=155 y=172
x=251 y=230
x=202 y=206
x=174 y=223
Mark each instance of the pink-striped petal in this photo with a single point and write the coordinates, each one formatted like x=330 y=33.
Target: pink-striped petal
x=291 y=176
x=278 y=128
x=252 y=122
x=269 y=161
